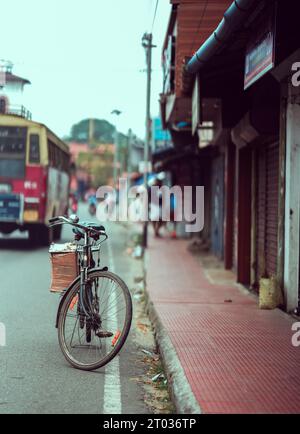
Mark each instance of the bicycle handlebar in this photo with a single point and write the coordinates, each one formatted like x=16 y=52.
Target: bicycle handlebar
x=59 y=220
x=53 y=220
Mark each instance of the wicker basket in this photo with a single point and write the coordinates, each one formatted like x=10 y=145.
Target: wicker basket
x=64 y=264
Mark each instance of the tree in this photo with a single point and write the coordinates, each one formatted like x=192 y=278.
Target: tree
x=102 y=131
x=99 y=165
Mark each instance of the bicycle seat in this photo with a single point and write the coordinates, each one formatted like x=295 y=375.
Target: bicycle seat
x=93 y=225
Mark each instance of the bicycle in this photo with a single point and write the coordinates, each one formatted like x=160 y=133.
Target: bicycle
x=95 y=312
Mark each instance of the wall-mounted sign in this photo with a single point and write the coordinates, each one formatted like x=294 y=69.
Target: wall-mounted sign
x=160 y=138
x=260 y=54
x=196 y=106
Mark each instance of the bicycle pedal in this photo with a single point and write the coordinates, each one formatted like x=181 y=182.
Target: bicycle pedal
x=104 y=334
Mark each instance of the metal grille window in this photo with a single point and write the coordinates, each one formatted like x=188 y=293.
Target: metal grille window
x=34 y=148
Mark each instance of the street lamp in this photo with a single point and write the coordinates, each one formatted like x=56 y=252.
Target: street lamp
x=117 y=113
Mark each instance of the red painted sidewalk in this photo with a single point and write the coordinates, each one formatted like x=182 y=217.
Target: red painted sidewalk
x=237 y=358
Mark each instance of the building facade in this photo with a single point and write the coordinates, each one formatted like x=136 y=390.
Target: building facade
x=11 y=91
x=241 y=93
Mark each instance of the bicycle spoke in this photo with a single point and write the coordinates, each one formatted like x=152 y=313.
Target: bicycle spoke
x=104 y=294
x=108 y=309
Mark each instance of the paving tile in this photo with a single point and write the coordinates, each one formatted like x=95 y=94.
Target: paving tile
x=237 y=358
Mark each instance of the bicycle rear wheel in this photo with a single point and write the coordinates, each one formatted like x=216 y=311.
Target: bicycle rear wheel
x=93 y=327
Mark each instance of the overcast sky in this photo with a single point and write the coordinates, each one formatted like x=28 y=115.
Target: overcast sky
x=84 y=58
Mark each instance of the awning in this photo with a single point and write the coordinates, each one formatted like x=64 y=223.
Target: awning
x=233 y=19
x=164 y=160
x=11 y=78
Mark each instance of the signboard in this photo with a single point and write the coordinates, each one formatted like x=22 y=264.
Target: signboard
x=161 y=138
x=260 y=54
x=10 y=207
x=196 y=105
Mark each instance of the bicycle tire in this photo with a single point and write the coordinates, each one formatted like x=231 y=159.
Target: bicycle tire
x=125 y=331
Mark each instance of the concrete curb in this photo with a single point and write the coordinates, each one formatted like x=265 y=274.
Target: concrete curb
x=180 y=389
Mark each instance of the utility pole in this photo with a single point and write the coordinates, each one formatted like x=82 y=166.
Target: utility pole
x=116 y=157
x=129 y=154
x=147 y=44
x=91 y=131
x=90 y=143
x=116 y=153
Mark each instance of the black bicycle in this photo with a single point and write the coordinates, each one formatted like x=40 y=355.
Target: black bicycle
x=95 y=312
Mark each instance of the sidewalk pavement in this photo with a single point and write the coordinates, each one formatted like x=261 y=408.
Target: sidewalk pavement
x=222 y=353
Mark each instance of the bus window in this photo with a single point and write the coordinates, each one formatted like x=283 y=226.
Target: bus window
x=66 y=162
x=56 y=156
x=12 y=152
x=34 y=148
x=51 y=155
x=60 y=159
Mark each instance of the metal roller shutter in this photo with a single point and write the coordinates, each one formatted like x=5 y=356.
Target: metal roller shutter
x=267 y=210
x=272 y=208
x=217 y=216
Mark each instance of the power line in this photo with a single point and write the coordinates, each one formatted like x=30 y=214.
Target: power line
x=154 y=16
x=199 y=25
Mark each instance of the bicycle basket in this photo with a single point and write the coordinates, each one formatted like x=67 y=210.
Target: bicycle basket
x=64 y=263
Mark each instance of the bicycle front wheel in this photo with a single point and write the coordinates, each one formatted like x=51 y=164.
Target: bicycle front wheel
x=93 y=325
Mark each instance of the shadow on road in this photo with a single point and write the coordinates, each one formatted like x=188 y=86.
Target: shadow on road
x=17 y=243
x=100 y=371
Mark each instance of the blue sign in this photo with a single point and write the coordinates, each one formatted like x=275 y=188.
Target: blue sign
x=160 y=135
x=10 y=207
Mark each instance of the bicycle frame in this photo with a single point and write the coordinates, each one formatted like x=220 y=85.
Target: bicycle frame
x=86 y=261
x=85 y=266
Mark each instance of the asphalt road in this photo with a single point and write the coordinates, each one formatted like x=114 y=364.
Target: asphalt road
x=34 y=376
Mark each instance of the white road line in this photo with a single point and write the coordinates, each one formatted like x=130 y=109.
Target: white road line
x=112 y=382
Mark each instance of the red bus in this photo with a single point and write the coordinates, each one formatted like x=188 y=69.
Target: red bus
x=34 y=178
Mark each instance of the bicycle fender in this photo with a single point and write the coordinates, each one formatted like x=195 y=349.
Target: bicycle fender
x=67 y=290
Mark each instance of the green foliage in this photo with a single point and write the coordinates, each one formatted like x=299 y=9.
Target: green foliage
x=97 y=132
x=103 y=131
x=99 y=167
